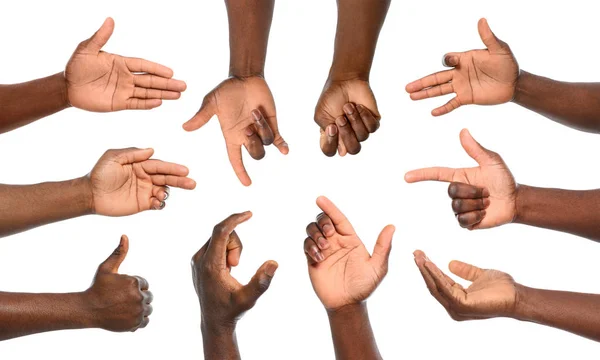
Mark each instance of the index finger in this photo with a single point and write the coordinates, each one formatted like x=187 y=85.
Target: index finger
x=161 y=167
x=144 y=66
x=234 y=153
x=217 y=247
x=427 y=174
x=339 y=220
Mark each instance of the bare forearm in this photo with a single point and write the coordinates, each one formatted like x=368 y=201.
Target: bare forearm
x=23 y=207
x=220 y=343
x=249 y=26
x=26 y=314
x=352 y=333
x=358 y=27
x=574 y=212
x=576 y=105
x=574 y=312
x=21 y=104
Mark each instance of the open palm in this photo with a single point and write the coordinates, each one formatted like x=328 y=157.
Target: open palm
x=482 y=77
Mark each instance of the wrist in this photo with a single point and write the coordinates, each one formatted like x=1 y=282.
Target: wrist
x=246 y=69
x=217 y=328
x=82 y=314
x=63 y=89
x=338 y=74
x=524 y=309
x=520 y=203
x=83 y=186
x=347 y=312
x=523 y=79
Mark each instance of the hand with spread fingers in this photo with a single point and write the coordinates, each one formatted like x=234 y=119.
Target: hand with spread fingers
x=127 y=181
x=481 y=77
x=482 y=197
x=100 y=81
x=491 y=293
x=246 y=112
x=223 y=300
x=346 y=113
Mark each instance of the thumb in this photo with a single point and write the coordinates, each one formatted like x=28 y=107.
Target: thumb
x=129 y=155
x=477 y=152
x=257 y=286
x=487 y=36
x=465 y=271
x=383 y=247
x=100 y=37
x=112 y=263
x=203 y=115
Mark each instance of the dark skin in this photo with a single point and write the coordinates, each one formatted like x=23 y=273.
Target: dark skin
x=93 y=80
x=487 y=196
x=114 y=302
x=492 y=76
x=243 y=102
x=496 y=294
x=123 y=182
x=347 y=110
x=344 y=275
x=223 y=300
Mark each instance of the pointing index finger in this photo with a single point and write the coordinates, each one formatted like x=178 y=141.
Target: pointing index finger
x=427 y=174
x=339 y=220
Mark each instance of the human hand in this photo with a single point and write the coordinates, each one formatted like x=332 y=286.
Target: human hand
x=119 y=302
x=343 y=103
x=341 y=270
x=246 y=112
x=491 y=294
x=127 y=181
x=481 y=77
x=223 y=299
x=482 y=197
x=101 y=82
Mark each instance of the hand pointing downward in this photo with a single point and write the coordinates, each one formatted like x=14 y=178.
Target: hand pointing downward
x=483 y=196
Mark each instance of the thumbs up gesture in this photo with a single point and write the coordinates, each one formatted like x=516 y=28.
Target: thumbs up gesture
x=481 y=77
x=101 y=82
x=483 y=196
x=119 y=302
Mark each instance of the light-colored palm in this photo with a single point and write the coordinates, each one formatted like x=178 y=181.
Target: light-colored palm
x=492 y=294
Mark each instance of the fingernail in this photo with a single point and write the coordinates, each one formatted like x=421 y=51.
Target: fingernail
x=162 y=205
x=349 y=109
x=444 y=61
x=256 y=115
x=166 y=196
x=270 y=269
x=360 y=107
x=341 y=121
x=249 y=131
x=332 y=130
x=285 y=145
x=323 y=243
x=327 y=229
x=317 y=254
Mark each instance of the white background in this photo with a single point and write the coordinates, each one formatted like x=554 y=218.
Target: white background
x=556 y=40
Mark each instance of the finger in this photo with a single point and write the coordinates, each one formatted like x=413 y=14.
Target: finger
x=112 y=263
x=466 y=191
x=264 y=130
x=438 y=78
x=325 y=224
x=138 y=65
x=382 y=249
x=469 y=219
x=420 y=260
x=148 y=297
x=257 y=286
x=340 y=222
x=254 y=144
x=487 y=36
x=234 y=250
x=441 y=282
x=142 y=283
x=342 y=150
x=148 y=310
x=100 y=37
x=155 y=167
x=347 y=135
x=352 y=114
x=451 y=59
x=314 y=255
x=313 y=231
x=430 y=174
x=206 y=112
x=159 y=83
x=144 y=323
x=434 y=91
x=371 y=122
x=144 y=93
x=174 y=181
x=447 y=108
x=234 y=153
x=142 y=104
x=465 y=271
x=329 y=140
x=130 y=155
x=221 y=236
x=156 y=204
x=477 y=152
x=460 y=206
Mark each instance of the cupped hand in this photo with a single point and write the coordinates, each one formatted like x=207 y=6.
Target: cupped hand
x=346 y=113
x=119 y=302
x=223 y=300
x=126 y=182
x=491 y=293
x=246 y=111
x=482 y=197
x=481 y=77
x=341 y=269
x=101 y=82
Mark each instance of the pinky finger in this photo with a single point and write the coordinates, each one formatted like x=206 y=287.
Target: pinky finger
x=156 y=204
x=470 y=219
x=449 y=107
x=142 y=104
